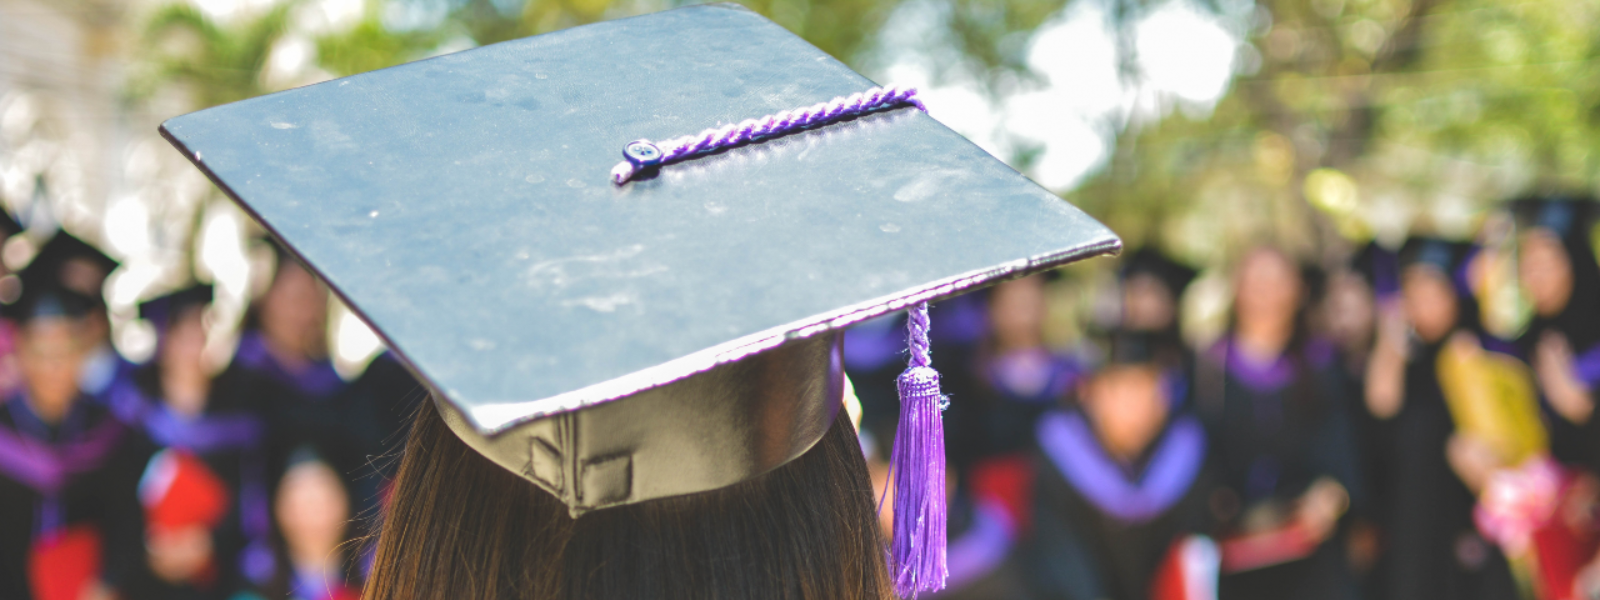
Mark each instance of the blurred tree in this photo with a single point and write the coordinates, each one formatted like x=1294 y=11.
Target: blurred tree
x=215 y=63
x=1354 y=119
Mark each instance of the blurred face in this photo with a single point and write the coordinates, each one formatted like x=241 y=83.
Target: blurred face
x=1268 y=289
x=50 y=353
x=294 y=310
x=1017 y=309
x=183 y=345
x=1430 y=302
x=1348 y=310
x=1127 y=406
x=311 y=509
x=1147 y=304
x=1545 y=271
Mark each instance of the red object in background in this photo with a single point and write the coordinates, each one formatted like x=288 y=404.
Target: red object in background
x=1008 y=480
x=1188 y=572
x=1562 y=548
x=62 y=565
x=178 y=490
x=1274 y=546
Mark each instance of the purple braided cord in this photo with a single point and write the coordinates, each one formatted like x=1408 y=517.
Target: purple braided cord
x=733 y=134
x=918 y=463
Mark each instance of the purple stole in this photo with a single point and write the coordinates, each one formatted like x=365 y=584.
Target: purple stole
x=1174 y=464
x=318 y=380
x=1035 y=376
x=1587 y=366
x=47 y=467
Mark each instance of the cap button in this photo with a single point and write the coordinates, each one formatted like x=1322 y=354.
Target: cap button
x=642 y=153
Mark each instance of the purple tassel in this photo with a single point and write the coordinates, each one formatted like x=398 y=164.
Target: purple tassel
x=918 y=548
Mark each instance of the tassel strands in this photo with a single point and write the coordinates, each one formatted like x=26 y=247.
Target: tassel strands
x=918 y=463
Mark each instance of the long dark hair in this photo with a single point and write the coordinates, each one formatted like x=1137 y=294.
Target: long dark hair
x=460 y=526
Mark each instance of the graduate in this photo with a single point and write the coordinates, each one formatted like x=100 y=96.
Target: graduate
x=1024 y=376
x=205 y=484
x=635 y=367
x=1122 y=483
x=67 y=475
x=82 y=268
x=1433 y=549
x=1286 y=462
x=1558 y=271
x=312 y=510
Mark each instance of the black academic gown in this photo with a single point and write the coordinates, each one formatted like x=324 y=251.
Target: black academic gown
x=1432 y=549
x=79 y=474
x=1100 y=528
x=1276 y=428
x=230 y=438
x=1579 y=323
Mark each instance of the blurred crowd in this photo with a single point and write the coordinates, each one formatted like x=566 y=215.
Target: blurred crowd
x=179 y=478
x=1356 y=431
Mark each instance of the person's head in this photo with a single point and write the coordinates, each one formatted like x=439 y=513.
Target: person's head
x=1125 y=400
x=1151 y=287
x=1349 y=310
x=50 y=352
x=312 y=509
x=179 y=319
x=1545 y=271
x=1017 y=309
x=1428 y=292
x=461 y=526
x=293 y=312
x=50 y=344
x=1268 y=289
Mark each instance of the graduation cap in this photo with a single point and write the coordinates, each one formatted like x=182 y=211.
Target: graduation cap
x=54 y=260
x=160 y=310
x=1149 y=261
x=43 y=296
x=1568 y=217
x=674 y=333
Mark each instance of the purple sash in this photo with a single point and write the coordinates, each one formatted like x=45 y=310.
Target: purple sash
x=202 y=434
x=1271 y=376
x=317 y=380
x=1072 y=447
x=46 y=467
x=1587 y=366
x=1034 y=376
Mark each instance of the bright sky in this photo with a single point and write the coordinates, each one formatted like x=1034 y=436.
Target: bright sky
x=1186 y=57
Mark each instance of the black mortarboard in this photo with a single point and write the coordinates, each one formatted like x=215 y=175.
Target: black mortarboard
x=1150 y=261
x=64 y=247
x=1565 y=216
x=619 y=343
x=160 y=310
x=43 y=296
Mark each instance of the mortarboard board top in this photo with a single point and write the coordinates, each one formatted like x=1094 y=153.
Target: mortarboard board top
x=462 y=205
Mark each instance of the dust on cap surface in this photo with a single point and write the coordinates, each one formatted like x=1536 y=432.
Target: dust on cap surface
x=462 y=206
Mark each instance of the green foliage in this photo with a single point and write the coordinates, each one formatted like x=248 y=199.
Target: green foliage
x=217 y=63
x=1368 y=118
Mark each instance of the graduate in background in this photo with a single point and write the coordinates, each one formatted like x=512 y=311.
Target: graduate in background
x=82 y=268
x=1559 y=273
x=312 y=510
x=205 y=488
x=1121 y=486
x=67 y=520
x=1433 y=549
x=1281 y=440
x=1025 y=377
